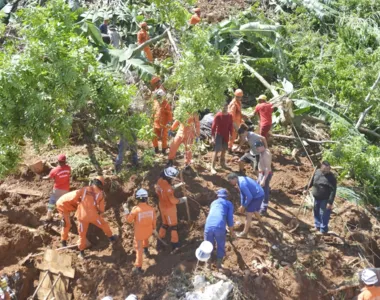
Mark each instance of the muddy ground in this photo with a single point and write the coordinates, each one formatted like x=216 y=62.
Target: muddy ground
x=299 y=265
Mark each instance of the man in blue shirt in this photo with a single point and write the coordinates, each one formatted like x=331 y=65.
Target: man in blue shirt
x=104 y=27
x=221 y=214
x=251 y=197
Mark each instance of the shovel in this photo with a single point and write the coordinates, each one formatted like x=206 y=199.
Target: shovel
x=294 y=222
x=187 y=204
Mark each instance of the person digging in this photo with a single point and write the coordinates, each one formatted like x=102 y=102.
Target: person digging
x=221 y=215
x=90 y=211
x=144 y=219
x=61 y=176
x=251 y=198
x=221 y=131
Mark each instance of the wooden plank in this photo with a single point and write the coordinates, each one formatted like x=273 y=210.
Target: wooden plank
x=26 y=192
x=57 y=263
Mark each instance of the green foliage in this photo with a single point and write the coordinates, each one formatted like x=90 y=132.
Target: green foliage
x=55 y=77
x=173 y=12
x=359 y=159
x=202 y=75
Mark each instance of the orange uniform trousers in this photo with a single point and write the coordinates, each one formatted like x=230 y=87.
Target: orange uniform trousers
x=178 y=140
x=83 y=227
x=139 y=247
x=161 y=133
x=169 y=220
x=148 y=54
x=232 y=138
x=65 y=229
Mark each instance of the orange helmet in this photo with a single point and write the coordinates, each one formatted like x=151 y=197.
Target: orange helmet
x=239 y=93
x=143 y=24
x=154 y=80
x=197 y=10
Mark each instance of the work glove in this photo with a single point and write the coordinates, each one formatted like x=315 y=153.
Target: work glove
x=182 y=200
x=126 y=210
x=176 y=186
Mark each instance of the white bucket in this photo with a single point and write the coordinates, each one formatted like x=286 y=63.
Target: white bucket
x=203 y=252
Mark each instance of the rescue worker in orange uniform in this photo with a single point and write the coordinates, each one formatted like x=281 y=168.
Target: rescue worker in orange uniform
x=144 y=219
x=156 y=84
x=90 y=210
x=168 y=204
x=142 y=37
x=67 y=204
x=234 y=108
x=185 y=135
x=162 y=117
x=196 y=17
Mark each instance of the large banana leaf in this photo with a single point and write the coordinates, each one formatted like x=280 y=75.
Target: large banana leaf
x=92 y=31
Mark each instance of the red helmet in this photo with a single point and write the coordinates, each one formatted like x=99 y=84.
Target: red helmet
x=62 y=157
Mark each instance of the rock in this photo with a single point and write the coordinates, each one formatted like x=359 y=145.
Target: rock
x=199 y=281
x=37 y=167
x=217 y=291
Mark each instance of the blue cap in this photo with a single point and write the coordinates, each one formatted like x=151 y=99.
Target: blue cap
x=222 y=193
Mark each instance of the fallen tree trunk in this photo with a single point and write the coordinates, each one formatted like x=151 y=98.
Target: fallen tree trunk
x=280 y=136
x=262 y=80
x=149 y=42
x=369 y=132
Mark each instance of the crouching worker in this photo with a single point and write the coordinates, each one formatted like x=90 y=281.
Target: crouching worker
x=143 y=217
x=221 y=214
x=67 y=204
x=90 y=210
x=168 y=204
x=371 y=290
x=251 y=198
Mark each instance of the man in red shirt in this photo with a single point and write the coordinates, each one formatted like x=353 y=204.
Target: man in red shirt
x=61 y=176
x=221 y=131
x=264 y=110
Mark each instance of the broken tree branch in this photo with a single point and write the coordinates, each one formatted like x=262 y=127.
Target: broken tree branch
x=174 y=45
x=370 y=132
x=149 y=42
x=372 y=88
x=262 y=80
x=280 y=136
x=342 y=288
x=362 y=116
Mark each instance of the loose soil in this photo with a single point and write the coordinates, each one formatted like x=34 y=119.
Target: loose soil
x=299 y=265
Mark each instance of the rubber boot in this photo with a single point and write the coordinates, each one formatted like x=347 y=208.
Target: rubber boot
x=64 y=243
x=170 y=163
x=146 y=252
x=219 y=263
x=175 y=246
x=137 y=271
x=164 y=151
x=156 y=150
x=81 y=254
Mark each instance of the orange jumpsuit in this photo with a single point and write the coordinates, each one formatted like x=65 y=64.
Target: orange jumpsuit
x=195 y=19
x=234 y=108
x=67 y=204
x=185 y=135
x=162 y=116
x=168 y=207
x=89 y=210
x=142 y=37
x=144 y=218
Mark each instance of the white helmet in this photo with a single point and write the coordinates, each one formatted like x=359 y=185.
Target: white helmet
x=159 y=93
x=141 y=193
x=171 y=172
x=107 y=298
x=131 y=297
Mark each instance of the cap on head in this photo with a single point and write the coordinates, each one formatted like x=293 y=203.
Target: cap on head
x=143 y=24
x=259 y=144
x=197 y=10
x=141 y=193
x=171 y=172
x=262 y=97
x=232 y=176
x=239 y=93
x=369 y=277
x=154 y=80
x=61 y=157
x=223 y=193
